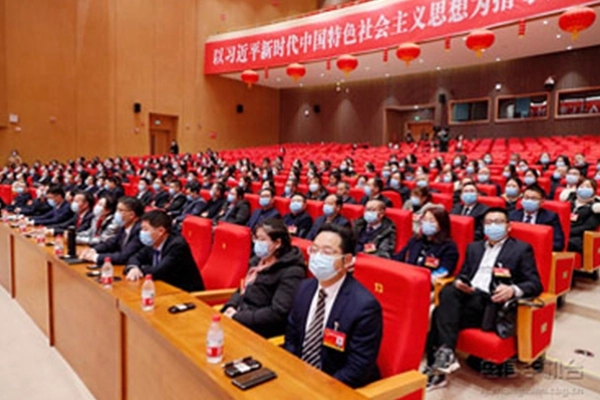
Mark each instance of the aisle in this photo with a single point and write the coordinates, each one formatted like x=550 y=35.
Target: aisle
x=29 y=368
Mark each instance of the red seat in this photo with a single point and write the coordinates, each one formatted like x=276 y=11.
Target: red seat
x=302 y=244
x=394 y=197
x=228 y=260
x=403 y=221
x=282 y=205
x=492 y=201
x=314 y=208
x=197 y=232
x=129 y=189
x=205 y=194
x=403 y=293
x=442 y=199
x=444 y=188
x=6 y=193
x=352 y=212
x=357 y=194
x=462 y=230
x=253 y=200
x=489 y=190
x=563 y=210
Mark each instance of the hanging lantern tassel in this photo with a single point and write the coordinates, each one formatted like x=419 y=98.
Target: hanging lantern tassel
x=385 y=55
x=577 y=19
x=521 y=28
x=266 y=72
x=447 y=43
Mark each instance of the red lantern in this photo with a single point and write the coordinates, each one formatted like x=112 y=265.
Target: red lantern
x=249 y=77
x=408 y=52
x=480 y=40
x=347 y=63
x=577 y=19
x=296 y=71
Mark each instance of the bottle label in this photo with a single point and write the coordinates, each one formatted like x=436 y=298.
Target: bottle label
x=106 y=280
x=148 y=301
x=58 y=251
x=214 y=351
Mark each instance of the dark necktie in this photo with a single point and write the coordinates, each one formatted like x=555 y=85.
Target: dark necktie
x=528 y=219
x=467 y=211
x=311 y=348
x=156 y=258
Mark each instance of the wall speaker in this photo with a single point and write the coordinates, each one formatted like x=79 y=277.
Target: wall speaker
x=442 y=98
x=240 y=108
x=317 y=108
x=137 y=108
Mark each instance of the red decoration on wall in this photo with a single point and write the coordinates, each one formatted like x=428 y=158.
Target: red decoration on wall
x=347 y=63
x=249 y=77
x=328 y=65
x=213 y=135
x=521 y=28
x=408 y=52
x=447 y=43
x=385 y=55
x=480 y=40
x=266 y=72
x=577 y=19
x=296 y=71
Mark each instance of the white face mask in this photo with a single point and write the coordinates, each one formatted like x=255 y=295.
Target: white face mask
x=322 y=266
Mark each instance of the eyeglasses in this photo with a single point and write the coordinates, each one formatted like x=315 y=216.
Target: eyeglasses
x=328 y=251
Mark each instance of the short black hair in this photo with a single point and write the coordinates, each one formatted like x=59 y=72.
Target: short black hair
x=145 y=180
x=496 y=210
x=177 y=183
x=267 y=190
x=157 y=219
x=111 y=203
x=276 y=229
x=133 y=204
x=56 y=190
x=346 y=235
x=239 y=192
x=87 y=196
x=536 y=188
x=300 y=195
x=378 y=183
x=338 y=199
x=193 y=187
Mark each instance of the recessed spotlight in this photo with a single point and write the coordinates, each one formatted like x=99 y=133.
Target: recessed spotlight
x=387 y=75
x=421 y=61
x=322 y=74
x=342 y=80
x=438 y=68
x=558 y=36
x=569 y=47
x=278 y=79
x=498 y=59
x=545 y=22
x=464 y=39
x=367 y=68
x=416 y=107
x=347 y=90
x=301 y=85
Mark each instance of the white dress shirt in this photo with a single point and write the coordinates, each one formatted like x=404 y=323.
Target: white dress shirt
x=332 y=292
x=483 y=276
x=532 y=215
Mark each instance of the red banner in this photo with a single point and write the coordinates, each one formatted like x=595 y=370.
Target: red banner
x=364 y=28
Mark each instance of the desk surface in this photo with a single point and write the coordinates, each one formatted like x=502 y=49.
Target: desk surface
x=186 y=333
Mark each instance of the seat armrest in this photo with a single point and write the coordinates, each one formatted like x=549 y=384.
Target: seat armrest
x=591 y=251
x=395 y=387
x=561 y=272
x=535 y=322
x=212 y=297
x=277 y=340
x=438 y=285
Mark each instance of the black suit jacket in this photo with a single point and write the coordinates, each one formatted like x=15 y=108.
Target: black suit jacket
x=338 y=220
x=56 y=215
x=160 y=199
x=477 y=213
x=145 y=198
x=193 y=207
x=356 y=313
x=19 y=201
x=544 y=217
x=36 y=207
x=516 y=256
x=120 y=248
x=176 y=266
x=445 y=252
x=85 y=224
x=238 y=214
x=302 y=222
x=176 y=204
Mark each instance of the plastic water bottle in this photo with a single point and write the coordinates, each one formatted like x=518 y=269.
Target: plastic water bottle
x=106 y=276
x=59 y=246
x=214 y=341
x=148 y=294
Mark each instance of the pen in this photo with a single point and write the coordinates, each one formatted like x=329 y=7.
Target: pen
x=239 y=360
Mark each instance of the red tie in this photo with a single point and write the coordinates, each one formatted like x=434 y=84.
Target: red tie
x=78 y=221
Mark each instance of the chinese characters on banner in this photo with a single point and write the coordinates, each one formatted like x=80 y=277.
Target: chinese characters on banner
x=363 y=28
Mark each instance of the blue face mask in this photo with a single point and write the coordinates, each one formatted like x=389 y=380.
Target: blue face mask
x=295 y=206
x=560 y=164
x=410 y=178
x=156 y=187
x=261 y=248
x=51 y=203
x=20 y=190
x=512 y=162
x=428 y=228
x=287 y=190
x=264 y=201
x=556 y=175
x=585 y=192
x=468 y=198
x=370 y=217
x=415 y=201
x=572 y=179
x=189 y=197
x=456 y=162
x=367 y=190
x=106 y=187
x=322 y=266
x=422 y=183
x=495 y=232
x=171 y=191
x=512 y=191
x=328 y=209
x=598 y=167
x=241 y=184
x=146 y=238
x=394 y=183
x=265 y=177
x=483 y=177
x=141 y=188
x=118 y=219
x=470 y=170
x=544 y=160
x=506 y=174
x=75 y=207
x=447 y=179
x=385 y=174
x=529 y=180
x=530 y=205
x=313 y=187
x=230 y=198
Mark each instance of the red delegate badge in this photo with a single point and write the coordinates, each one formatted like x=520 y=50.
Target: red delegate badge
x=370 y=248
x=292 y=229
x=432 y=262
x=502 y=273
x=574 y=217
x=334 y=339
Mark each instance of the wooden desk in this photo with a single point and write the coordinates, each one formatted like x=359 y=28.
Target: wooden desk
x=87 y=324
x=165 y=359
x=6 y=262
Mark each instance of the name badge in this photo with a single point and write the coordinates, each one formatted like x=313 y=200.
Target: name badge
x=370 y=248
x=334 y=339
x=502 y=273
x=292 y=229
x=574 y=217
x=432 y=262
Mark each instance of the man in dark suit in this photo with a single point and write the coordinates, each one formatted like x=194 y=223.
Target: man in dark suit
x=21 y=199
x=37 y=206
x=335 y=324
x=236 y=210
x=343 y=190
x=375 y=233
x=495 y=271
x=373 y=191
x=161 y=196
x=470 y=207
x=533 y=213
x=267 y=210
x=298 y=221
x=126 y=242
x=484 y=178
x=114 y=187
x=331 y=214
x=178 y=199
x=166 y=257
x=82 y=206
x=61 y=209
x=215 y=204
x=195 y=203
x=144 y=194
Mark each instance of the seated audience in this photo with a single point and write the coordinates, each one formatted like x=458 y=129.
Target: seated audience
x=484 y=178
x=419 y=202
x=236 y=210
x=144 y=194
x=60 y=209
x=334 y=301
x=298 y=221
x=375 y=233
x=373 y=190
x=395 y=184
x=331 y=214
x=165 y=256
x=265 y=298
x=470 y=207
x=316 y=190
x=291 y=187
x=585 y=213
x=177 y=200
x=573 y=178
x=343 y=190
x=82 y=205
x=512 y=193
x=267 y=210
x=161 y=196
x=21 y=199
x=113 y=187
x=102 y=227
x=216 y=202
x=195 y=203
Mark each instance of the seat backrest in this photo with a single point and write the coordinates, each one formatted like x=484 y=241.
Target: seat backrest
x=253 y=200
x=403 y=221
x=403 y=293
x=540 y=238
x=489 y=190
x=352 y=212
x=282 y=205
x=462 y=230
x=314 y=208
x=544 y=183
x=205 y=193
x=563 y=210
x=444 y=188
x=302 y=244
x=197 y=232
x=228 y=260
x=557 y=192
x=6 y=193
x=357 y=194
x=442 y=199
x=492 y=201
x=394 y=197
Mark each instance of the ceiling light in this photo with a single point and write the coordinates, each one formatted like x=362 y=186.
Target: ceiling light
x=301 y=84
x=498 y=59
x=438 y=68
x=421 y=61
x=278 y=79
x=342 y=80
x=416 y=107
x=498 y=87
x=464 y=39
x=545 y=22
x=569 y=47
x=387 y=75
x=558 y=36
x=322 y=74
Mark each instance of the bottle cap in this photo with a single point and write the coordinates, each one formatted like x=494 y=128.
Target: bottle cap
x=148 y=277
x=216 y=318
x=107 y=259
